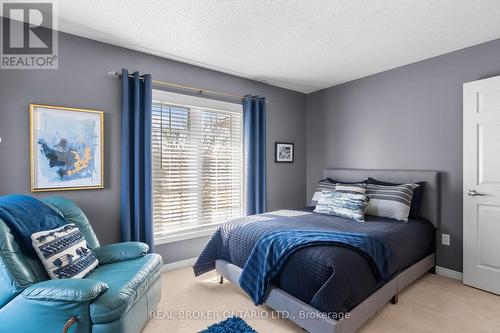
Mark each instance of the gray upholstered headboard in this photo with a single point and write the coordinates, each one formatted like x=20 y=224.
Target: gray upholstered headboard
x=430 y=208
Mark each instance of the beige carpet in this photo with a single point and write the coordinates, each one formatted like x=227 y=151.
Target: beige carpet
x=432 y=304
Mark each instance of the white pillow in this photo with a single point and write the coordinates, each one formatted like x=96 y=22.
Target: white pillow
x=64 y=252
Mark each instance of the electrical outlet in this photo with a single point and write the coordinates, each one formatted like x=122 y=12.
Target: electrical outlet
x=445 y=239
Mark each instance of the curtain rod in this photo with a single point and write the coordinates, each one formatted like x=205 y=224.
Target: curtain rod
x=181 y=86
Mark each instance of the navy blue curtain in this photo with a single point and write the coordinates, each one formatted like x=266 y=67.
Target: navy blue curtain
x=254 y=131
x=136 y=178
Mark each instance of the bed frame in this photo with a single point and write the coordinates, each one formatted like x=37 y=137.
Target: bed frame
x=314 y=321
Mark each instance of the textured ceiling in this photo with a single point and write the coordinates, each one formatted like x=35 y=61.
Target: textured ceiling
x=297 y=44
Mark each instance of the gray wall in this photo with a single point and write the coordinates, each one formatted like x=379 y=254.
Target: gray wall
x=405 y=118
x=81 y=81
x=409 y=117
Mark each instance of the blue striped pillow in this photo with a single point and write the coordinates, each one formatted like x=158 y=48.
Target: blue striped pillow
x=64 y=252
x=344 y=204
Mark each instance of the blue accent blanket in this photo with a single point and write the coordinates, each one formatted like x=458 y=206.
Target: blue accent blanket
x=272 y=250
x=25 y=215
x=332 y=278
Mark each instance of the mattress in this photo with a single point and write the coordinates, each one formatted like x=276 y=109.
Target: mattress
x=332 y=279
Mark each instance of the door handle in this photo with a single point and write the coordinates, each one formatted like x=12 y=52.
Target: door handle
x=474 y=193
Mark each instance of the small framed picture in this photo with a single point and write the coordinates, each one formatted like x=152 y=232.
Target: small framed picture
x=284 y=152
x=66 y=148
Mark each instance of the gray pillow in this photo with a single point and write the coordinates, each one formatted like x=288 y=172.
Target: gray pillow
x=390 y=201
x=416 y=201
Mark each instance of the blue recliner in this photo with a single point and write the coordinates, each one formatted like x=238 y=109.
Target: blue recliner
x=115 y=297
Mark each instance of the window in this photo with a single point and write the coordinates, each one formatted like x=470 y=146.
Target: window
x=197 y=163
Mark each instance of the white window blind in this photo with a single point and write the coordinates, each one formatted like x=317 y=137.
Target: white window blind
x=197 y=163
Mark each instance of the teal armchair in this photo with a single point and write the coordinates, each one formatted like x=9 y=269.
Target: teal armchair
x=115 y=297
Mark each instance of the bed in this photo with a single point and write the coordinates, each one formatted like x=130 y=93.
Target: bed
x=328 y=288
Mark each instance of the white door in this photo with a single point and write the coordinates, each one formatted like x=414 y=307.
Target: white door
x=481 y=190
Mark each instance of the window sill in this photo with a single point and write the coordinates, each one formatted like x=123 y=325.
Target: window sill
x=191 y=233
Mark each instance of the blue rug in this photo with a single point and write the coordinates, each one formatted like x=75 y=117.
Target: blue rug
x=230 y=325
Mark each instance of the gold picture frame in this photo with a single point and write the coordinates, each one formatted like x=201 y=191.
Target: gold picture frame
x=67 y=150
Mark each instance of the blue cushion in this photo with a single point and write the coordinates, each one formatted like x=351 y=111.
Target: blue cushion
x=127 y=281
x=108 y=254
x=74 y=214
x=68 y=290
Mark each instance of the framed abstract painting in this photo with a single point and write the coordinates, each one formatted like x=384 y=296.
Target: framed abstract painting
x=66 y=147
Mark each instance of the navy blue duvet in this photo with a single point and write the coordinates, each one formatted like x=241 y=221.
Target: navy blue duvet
x=330 y=278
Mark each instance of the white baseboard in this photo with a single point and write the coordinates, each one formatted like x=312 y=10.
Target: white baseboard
x=449 y=273
x=178 y=264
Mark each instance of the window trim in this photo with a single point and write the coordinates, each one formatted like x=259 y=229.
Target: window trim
x=178 y=235
x=197 y=102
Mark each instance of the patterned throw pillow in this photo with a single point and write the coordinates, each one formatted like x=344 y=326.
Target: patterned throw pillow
x=344 y=204
x=64 y=252
x=390 y=201
x=332 y=185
